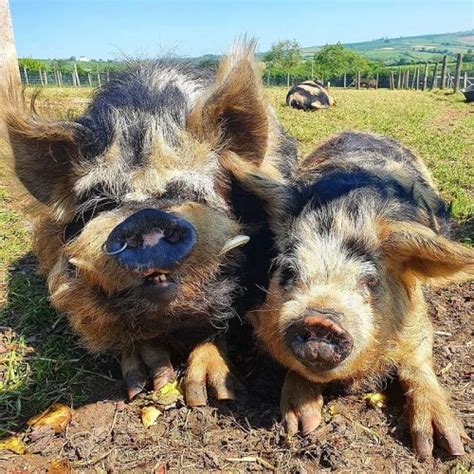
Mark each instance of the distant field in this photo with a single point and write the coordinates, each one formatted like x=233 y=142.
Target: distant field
x=418 y=48
x=44 y=363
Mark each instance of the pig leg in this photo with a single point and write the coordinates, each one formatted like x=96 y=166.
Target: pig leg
x=157 y=361
x=428 y=413
x=145 y=362
x=208 y=367
x=300 y=404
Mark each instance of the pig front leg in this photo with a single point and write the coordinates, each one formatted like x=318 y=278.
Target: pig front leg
x=429 y=415
x=300 y=404
x=208 y=368
x=146 y=362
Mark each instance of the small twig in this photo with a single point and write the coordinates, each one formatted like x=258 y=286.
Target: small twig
x=110 y=379
x=92 y=461
x=443 y=333
x=256 y=459
x=112 y=426
x=445 y=369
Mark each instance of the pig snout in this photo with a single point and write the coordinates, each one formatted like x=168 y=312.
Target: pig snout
x=318 y=340
x=151 y=239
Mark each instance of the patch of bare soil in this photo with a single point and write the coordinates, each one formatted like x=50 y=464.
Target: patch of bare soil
x=245 y=436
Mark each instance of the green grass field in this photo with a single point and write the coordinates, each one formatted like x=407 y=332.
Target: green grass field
x=412 y=48
x=40 y=361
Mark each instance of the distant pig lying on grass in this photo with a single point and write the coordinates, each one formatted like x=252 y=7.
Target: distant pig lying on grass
x=134 y=216
x=358 y=236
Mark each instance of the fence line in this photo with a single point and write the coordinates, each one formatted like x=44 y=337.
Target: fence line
x=418 y=78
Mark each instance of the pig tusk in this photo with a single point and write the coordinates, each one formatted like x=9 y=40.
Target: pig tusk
x=234 y=242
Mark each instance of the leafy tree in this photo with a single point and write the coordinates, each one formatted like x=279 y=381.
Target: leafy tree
x=284 y=56
x=31 y=64
x=335 y=60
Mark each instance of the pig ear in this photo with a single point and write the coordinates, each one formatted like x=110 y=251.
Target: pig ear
x=43 y=154
x=235 y=113
x=427 y=255
x=263 y=182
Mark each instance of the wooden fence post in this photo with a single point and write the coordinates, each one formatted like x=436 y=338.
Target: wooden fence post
x=89 y=79
x=45 y=77
x=457 y=77
x=377 y=81
x=108 y=76
x=417 y=82
x=425 y=78
x=444 y=69
x=413 y=81
x=399 y=82
x=8 y=56
x=78 y=81
x=358 y=80
x=40 y=77
x=98 y=79
x=345 y=80
x=407 y=84
x=464 y=82
x=434 y=80
x=25 y=73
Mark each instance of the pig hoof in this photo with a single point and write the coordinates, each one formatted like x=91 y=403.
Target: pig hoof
x=447 y=432
x=207 y=369
x=300 y=405
x=146 y=363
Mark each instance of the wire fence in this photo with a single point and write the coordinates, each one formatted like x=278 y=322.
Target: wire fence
x=417 y=78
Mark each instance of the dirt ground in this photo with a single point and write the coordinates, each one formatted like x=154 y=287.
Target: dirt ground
x=107 y=435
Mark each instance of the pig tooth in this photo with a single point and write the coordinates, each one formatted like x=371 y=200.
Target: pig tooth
x=234 y=242
x=162 y=278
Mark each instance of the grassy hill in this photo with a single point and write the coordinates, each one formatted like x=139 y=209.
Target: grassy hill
x=410 y=48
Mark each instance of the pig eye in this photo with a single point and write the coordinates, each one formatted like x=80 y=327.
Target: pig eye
x=287 y=276
x=370 y=282
x=74 y=228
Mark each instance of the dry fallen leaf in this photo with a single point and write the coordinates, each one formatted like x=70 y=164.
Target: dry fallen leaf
x=376 y=400
x=169 y=394
x=59 y=466
x=149 y=416
x=13 y=444
x=57 y=417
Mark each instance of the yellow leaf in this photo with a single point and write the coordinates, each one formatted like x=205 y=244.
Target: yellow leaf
x=149 y=416
x=169 y=394
x=13 y=444
x=57 y=416
x=59 y=466
x=376 y=400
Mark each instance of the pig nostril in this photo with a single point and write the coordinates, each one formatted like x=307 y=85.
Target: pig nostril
x=174 y=233
x=134 y=240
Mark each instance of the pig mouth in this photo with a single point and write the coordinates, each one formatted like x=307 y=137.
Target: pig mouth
x=158 y=286
x=319 y=342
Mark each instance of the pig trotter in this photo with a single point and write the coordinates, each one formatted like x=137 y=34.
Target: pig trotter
x=146 y=362
x=208 y=368
x=429 y=416
x=300 y=405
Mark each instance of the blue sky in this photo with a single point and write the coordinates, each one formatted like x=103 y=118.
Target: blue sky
x=110 y=28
